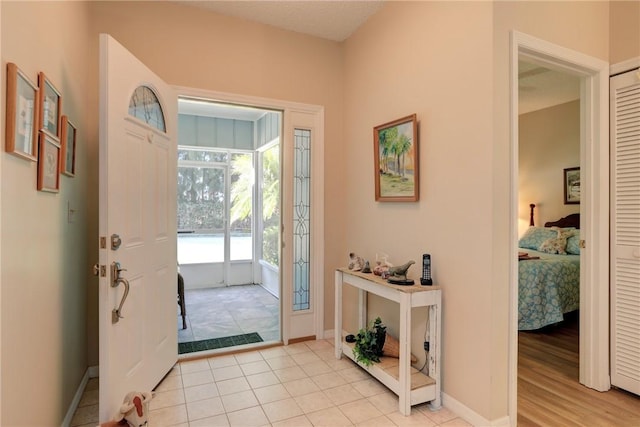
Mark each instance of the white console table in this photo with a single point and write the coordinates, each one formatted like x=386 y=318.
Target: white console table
x=411 y=386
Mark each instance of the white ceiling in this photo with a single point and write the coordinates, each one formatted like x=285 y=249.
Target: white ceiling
x=541 y=87
x=327 y=19
x=198 y=107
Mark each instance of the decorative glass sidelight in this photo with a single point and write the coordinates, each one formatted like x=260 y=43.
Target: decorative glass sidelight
x=301 y=218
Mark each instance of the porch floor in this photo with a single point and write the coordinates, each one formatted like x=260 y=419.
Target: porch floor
x=227 y=311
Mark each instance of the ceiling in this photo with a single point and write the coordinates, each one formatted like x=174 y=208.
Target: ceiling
x=541 y=87
x=336 y=20
x=205 y=108
x=328 y=19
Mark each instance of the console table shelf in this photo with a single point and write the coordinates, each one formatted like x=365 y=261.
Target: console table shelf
x=411 y=385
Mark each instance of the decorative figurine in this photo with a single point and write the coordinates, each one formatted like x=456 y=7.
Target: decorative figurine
x=356 y=263
x=380 y=269
x=400 y=272
x=134 y=410
x=382 y=259
x=366 y=268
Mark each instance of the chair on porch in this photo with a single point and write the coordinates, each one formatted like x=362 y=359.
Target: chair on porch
x=183 y=309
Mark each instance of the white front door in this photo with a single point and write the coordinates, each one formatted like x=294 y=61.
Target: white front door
x=138 y=119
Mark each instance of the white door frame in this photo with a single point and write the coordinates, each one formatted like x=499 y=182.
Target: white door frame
x=305 y=323
x=594 y=207
x=3 y=94
x=624 y=66
x=317 y=200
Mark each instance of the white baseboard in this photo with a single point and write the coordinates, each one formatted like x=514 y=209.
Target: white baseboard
x=76 y=398
x=328 y=334
x=457 y=407
x=470 y=415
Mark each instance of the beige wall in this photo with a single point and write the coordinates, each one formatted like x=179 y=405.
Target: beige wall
x=446 y=61
x=44 y=258
x=549 y=142
x=418 y=57
x=625 y=31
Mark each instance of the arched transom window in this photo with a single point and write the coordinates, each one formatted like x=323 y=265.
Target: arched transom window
x=145 y=105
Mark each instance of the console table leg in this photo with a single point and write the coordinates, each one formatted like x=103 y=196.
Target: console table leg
x=404 y=371
x=338 y=316
x=434 y=352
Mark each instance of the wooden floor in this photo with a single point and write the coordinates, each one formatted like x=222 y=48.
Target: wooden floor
x=549 y=393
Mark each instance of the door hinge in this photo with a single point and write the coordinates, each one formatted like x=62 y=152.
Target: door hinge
x=582 y=244
x=103 y=242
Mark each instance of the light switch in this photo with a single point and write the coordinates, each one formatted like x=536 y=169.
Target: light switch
x=71 y=213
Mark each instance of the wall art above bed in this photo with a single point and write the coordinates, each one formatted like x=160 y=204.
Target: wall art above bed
x=572 y=186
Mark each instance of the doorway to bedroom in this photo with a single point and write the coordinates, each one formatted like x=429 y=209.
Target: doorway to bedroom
x=592 y=361
x=228 y=202
x=548 y=284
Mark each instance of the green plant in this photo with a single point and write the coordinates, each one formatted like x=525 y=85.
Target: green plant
x=369 y=343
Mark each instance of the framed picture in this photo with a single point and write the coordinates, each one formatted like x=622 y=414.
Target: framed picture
x=48 y=163
x=572 y=186
x=50 y=106
x=395 y=146
x=68 y=147
x=22 y=114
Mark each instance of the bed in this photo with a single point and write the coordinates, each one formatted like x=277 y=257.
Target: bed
x=548 y=284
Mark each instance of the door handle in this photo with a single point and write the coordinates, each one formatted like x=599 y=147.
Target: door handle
x=116 y=279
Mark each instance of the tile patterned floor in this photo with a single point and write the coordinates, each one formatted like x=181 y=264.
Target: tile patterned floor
x=297 y=385
x=228 y=311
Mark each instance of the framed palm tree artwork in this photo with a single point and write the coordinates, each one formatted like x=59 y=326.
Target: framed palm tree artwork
x=395 y=146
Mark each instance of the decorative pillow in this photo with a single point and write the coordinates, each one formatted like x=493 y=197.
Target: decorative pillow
x=573 y=243
x=556 y=245
x=534 y=236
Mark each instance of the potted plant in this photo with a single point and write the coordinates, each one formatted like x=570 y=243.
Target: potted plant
x=369 y=343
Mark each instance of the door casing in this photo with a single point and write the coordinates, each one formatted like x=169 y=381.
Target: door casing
x=594 y=208
x=315 y=113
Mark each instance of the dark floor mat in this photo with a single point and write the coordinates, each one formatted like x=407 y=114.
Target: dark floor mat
x=214 y=343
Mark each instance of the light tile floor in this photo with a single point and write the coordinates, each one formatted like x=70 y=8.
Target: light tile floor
x=227 y=311
x=297 y=385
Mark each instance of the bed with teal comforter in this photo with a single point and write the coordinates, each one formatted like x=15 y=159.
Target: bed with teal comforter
x=548 y=288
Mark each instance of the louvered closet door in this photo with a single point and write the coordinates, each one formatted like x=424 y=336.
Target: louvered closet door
x=625 y=231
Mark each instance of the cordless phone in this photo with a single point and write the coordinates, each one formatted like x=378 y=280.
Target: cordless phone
x=426 y=270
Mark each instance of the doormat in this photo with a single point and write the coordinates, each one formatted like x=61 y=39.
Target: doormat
x=215 y=343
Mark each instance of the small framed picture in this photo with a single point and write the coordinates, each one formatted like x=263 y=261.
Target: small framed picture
x=68 y=147
x=48 y=164
x=50 y=106
x=572 y=186
x=21 y=131
x=395 y=146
